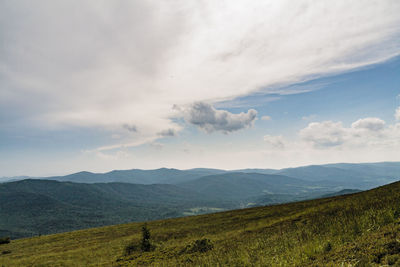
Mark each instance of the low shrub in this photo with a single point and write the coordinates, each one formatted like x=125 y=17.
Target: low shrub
x=328 y=247
x=4 y=240
x=200 y=245
x=130 y=248
x=145 y=244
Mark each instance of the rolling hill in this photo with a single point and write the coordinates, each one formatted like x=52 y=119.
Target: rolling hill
x=361 y=229
x=33 y=207
x=242 y=186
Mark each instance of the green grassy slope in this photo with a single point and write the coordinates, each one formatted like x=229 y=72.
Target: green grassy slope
x=360 y=229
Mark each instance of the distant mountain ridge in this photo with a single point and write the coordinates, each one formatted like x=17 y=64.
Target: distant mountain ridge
x=347 y=175
x=137 y=176
x=350 y=175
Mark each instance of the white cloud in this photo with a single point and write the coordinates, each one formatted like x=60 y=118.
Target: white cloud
x=324 y=134
x=366 y=140
x=363 y=132
x=397 y=114
x=110 y=63
x=209 y=119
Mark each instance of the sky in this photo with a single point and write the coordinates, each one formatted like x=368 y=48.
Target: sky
x=99 y=85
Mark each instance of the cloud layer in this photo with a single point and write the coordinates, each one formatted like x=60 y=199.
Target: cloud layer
x=112 y=63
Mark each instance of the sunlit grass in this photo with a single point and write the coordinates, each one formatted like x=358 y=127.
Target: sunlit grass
x=356 y=229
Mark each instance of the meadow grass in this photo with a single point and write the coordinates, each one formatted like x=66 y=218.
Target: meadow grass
x=354 y=230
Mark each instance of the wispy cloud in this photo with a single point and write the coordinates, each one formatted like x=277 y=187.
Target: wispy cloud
x=277 y=142
x=309 y=117
x=266 y=118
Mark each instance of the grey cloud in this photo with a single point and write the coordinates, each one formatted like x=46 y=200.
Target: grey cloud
x=371 y=124
x=66 y=57
x=118 y=29
x=130 y=127
x=167 y=133
x=157 y=146
x=209 y=119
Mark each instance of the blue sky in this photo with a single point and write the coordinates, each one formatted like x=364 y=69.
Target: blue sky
x=223 y=85
x=369 y=92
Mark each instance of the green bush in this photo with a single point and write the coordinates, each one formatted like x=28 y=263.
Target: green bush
x=328 y=247
x=396 y=213
x=145 y=244
x=4 y=240
x=200 y=245
x=131 y=248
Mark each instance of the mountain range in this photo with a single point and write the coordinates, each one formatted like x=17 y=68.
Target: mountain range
x=354 y=175
x=83 y=200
